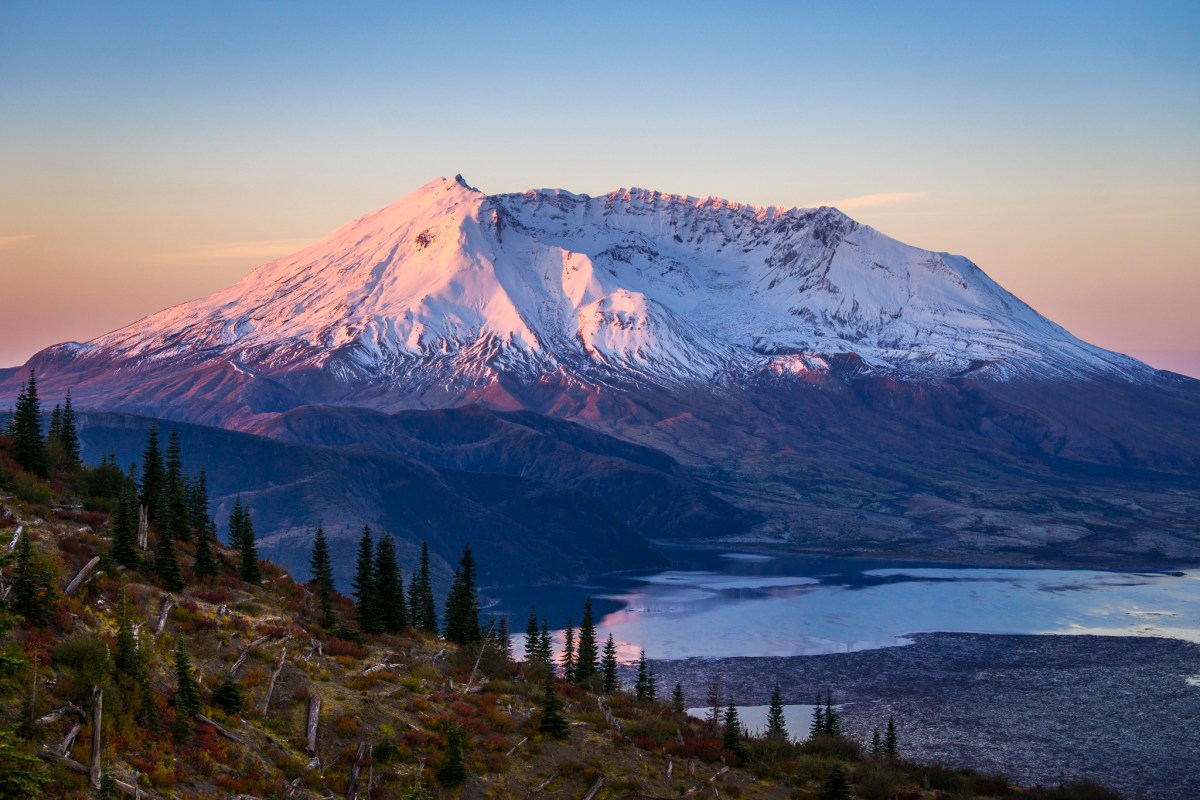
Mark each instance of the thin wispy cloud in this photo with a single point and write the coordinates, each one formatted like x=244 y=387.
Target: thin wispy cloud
x=872 y=200
x=230 y=252
x=8 y=241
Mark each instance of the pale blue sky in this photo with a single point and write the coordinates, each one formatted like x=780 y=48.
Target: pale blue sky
x=151 y=152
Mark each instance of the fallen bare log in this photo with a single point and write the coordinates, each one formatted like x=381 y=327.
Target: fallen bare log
x=274 y=678
x=82 y=576
x=59 y=713
x=97 y=708
x=352 y=790
x=314 y=714
x=592 y=792
x=69 y=741
x=220 y=729
x=16 y=538
x=75 y=766
x=162 y=617
x=515 y=746
x=241 y=659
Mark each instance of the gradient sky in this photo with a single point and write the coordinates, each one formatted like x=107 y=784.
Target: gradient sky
x=155 y=152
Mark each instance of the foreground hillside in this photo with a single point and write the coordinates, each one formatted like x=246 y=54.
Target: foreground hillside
x=235 y=689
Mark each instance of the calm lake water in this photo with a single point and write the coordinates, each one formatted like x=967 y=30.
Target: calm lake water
x=735 y=604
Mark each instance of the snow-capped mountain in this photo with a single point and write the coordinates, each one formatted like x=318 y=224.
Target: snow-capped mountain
x=452 y=288
x=679 y=367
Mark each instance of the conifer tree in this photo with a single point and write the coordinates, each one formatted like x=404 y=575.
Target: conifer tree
x=153 y=477
x=568 y=656
x=652 y=686
x=366 y=589
x=587 y=662
x=462 y=603
x=546 y=646
x=205 y=564
x=776 y=723
x=421 y=612
x=732 y=739
x=678 y=701
x=608 y=667
x=714 y=702
x=836 y=786
x=248 y=568
x=818 y=721
x=833 y=723
x=127 y=660
x=176 y=519
x=197 y=503
x=553 y=722
x=187 y=693
x=54 y=448
x=166 y=563
x=25 y=426
x=69 y=434
x=453 y=771
x=123 y=528
x=891 y=744
x=532 y=640
x=33 y=594
x=389 y=586
x=504 y=640
x=321 y=568
x=876 y=745
x=641 y=687
x=237 y=523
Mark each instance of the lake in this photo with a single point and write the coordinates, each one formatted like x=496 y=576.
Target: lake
x=736 y=604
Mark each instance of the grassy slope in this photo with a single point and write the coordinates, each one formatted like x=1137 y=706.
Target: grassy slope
x=643 y=751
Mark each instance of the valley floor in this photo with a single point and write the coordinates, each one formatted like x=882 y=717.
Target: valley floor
x=1120 y=710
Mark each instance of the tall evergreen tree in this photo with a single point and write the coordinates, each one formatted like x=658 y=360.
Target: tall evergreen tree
x=54 y=447
x=197 y=503
x=504 y=640
x=25 y=426
x=154 y=477
x=568 y=655
x=166 y=563
x=776 y=723
x=321 y=568
x=127 y=660
x=237 y=523
x=552 y=721
x=678 y=701
x=366 y=588
x=642 y=685
x=421 y=611
x=833 y=722
x=587 y=664
x=453 y=770
x=205 y=564
x=652 y=686
x=876 y=745
x=33 y=593
x=123 y=527
x=818 y=720
x=69 y=435
x=389 y=586
x=187 y=693
x=714 y=699
x=608 y=667
x=546 y=646
x=732 y=739
x=532 y=640
x=462 y=603
x=249 y=569
x=891 y=743
x=176 y=519
x=837 y=785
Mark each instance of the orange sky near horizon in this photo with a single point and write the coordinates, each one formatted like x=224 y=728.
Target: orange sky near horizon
x=151 y=154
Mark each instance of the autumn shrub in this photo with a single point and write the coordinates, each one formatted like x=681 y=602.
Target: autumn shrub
x=347 y=726
x=345 y=647
x=86 y=662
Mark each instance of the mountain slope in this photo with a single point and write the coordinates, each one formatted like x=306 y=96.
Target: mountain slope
x=813 y=382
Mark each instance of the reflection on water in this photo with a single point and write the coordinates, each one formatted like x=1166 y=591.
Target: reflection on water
x=797 y=719
x=739 y=605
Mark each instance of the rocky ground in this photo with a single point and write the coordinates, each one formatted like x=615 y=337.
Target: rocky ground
x=1119 y=710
